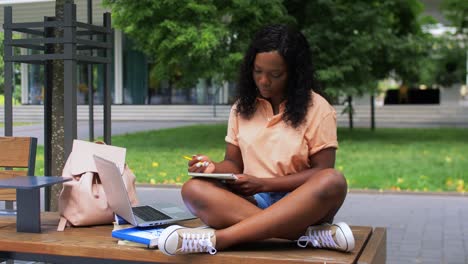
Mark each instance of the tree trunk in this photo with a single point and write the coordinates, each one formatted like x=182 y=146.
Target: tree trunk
x=57 y=137
x=350 y=111
x=372 y=105
x=169 y=92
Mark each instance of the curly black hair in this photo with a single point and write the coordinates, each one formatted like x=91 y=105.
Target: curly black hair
x=292 y=45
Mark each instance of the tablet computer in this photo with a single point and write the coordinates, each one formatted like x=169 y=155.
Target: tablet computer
x=219 y=176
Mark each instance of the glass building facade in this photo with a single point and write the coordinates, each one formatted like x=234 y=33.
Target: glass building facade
x=138 y=88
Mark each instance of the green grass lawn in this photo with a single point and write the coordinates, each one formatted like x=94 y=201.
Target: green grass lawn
x=19 y=124
x=387 y=159
x=2 y=100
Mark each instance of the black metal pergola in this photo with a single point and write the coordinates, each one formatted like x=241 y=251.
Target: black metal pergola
x=77 y=36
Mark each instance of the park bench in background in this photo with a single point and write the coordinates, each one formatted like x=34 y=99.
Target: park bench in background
x=17 y=153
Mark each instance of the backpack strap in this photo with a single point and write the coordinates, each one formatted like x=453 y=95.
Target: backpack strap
x=62 y=224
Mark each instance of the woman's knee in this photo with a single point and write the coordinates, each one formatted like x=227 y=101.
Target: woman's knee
x=194 y=189
x=332 y=184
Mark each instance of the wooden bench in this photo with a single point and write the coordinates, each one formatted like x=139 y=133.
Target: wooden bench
x=95 y=245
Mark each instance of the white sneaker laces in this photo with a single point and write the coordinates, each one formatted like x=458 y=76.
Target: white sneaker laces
x=318 y=239
x=197 y=243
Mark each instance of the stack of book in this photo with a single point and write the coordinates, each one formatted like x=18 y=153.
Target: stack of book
x=129 y=235
x=138 y=236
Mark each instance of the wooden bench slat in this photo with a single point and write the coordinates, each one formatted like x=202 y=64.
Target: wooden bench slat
x=14 y=152
x=10 y=194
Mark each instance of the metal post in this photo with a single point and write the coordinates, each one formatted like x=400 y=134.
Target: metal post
x=8 y=82
x=372 y=105
x=107 y=80
x=89 y=67
x=48 y=74
x=350 y=113
x=69 y=65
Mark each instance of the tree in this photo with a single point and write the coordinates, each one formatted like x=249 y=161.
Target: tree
x=354 y=44
x=189 y=39
x=413 y=45
x=456 y=11
x=445 y=64
x=57 y=122
x=357 y=43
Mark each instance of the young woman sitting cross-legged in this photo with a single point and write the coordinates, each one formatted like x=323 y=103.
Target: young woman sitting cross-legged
x=281 y=143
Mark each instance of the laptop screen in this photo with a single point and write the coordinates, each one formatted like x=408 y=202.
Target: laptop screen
x=114 y=188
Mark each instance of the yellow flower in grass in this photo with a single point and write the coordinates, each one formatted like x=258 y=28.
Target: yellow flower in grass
x=400 y=180
x=340 y=168
x=423 y=177
x=155 y=164
x=460 y=186
x=178 y=179
x=163 y=174
x=152 y=181
x=448 y=159
x=449 y=183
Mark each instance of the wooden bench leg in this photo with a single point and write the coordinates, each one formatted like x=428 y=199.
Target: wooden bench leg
x=375 y=251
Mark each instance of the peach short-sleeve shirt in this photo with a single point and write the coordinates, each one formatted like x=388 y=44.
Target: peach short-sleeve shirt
x=270 y=148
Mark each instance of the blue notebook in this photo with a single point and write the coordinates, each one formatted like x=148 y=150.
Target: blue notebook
x=147 y=236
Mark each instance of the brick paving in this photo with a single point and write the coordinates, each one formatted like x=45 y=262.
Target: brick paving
x=420 y=228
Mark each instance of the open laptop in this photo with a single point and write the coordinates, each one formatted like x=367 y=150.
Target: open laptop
x=142 y=216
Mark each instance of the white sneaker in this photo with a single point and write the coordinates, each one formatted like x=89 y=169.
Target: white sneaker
x=333 y=236
x=176 y=240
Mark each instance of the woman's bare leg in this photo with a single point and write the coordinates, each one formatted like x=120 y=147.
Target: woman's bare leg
x=316 y=201
x=214 y=204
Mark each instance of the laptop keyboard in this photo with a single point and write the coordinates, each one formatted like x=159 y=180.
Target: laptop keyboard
x=149 y=214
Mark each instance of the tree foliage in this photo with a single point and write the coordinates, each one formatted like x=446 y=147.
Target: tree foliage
x=357 y=43
x=354 y=43
x=190 y=39
x=446 y=64
x=456 y=11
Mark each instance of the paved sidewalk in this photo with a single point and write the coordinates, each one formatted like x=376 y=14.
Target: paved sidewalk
x=420 y=228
